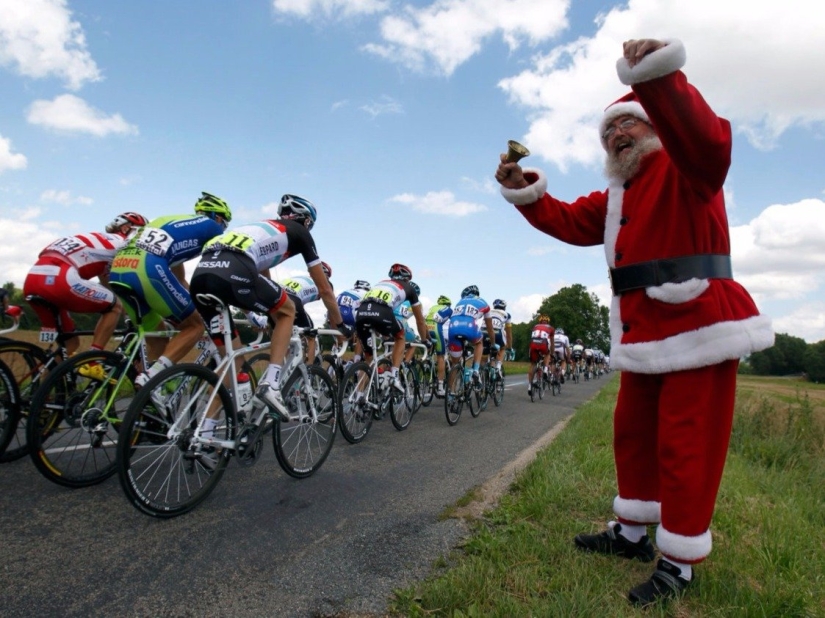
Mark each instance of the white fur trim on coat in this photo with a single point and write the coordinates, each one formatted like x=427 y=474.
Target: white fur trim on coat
x=675 y=293
x=703 y=347
x=664 y=61
x=683 y=548
x=639 y=511
x=529 y=194
x=612 y=220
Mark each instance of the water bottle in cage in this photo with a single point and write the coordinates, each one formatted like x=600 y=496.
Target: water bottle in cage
x=244 y=392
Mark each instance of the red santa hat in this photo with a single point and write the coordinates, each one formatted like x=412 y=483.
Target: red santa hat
x=628 y=105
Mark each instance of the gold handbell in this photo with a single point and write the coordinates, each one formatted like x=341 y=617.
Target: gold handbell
x=515 y=151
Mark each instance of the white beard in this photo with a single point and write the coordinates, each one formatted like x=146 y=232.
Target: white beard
x=626 y=166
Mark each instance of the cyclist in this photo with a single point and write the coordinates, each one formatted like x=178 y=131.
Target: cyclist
x=436 y=320
x=377 y=313
x=502 y=327
x=148 y=276
x=589 y=361
x=63 y=272
x=303 y=290
x=235 y=268
x=403 y=313
x=348 y=303
x=576 y=353
x=465 y=321
x=562 y=353
x=541 y=342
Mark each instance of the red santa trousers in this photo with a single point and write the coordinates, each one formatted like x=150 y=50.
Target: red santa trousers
x=671 y=435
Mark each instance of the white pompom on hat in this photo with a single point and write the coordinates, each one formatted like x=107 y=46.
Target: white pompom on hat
x=628 y=105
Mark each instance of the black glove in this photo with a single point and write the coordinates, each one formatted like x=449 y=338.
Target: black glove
x=428 y=344
x=345 y=330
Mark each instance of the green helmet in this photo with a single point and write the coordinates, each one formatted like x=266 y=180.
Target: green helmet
x=209 y=203
x=443 y=300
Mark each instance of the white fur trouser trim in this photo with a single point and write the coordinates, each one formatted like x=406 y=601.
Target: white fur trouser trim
x=683 y=548
x=639 y=511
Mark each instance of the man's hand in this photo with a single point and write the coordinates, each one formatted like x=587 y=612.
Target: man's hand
x=345 y=330
x=510 y=175
x=636 y=49
x=257 y=321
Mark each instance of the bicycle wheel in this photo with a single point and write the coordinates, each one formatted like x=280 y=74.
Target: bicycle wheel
x=9 y=405
x=302 y=444
x=161 y=468
x=454 y=394
x=73 y=424
x=426 y=381
x=404 y=405
x=255 y=367
x=498 y=389
x=356 y=403
x=26 y=362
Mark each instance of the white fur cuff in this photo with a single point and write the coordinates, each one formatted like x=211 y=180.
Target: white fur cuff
x=639 y=511
x=663 y=61
x=529 y=194
x=683 y=548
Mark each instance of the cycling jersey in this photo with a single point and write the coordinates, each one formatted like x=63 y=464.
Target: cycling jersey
x=62 y=276
x=302 y=287
x=377 y=309
x=348 y=303
x=403 y=313
x=578 y=351
x=465 y=323
x=540 y=341
x=142 y=270
x=436 y=320
x=500 y=320
x=268 y=243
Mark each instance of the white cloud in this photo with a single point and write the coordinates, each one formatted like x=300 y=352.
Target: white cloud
x=762 y=77
x=386 y=105
x=447 y=33
x=10 y=160
x=439 y=203
x=308 y=9
x=807 y=322
x=524 y=307
x=24 y=236
x=72 y=114
x=38 y=38
x=64 y=197
x=781 y=253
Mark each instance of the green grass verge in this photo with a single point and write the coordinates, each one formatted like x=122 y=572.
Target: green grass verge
x=768 y=531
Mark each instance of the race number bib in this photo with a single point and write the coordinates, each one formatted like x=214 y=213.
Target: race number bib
x=155 y=241
x=48 y=335
x=65 y=246
x=380 y=295
x=293 y=286
x=232 y=241
x=468 y=310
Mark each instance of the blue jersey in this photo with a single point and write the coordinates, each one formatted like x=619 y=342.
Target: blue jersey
x=472 y=308
x=175 y=238
x=348 y=303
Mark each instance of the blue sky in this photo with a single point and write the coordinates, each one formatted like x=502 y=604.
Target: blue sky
x=390 y=117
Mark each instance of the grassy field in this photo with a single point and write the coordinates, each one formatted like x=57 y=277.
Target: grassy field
x=768 y=556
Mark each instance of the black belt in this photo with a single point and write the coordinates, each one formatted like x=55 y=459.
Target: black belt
x=671 y=270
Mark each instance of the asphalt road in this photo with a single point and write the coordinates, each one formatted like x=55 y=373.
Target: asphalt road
x=265 y=544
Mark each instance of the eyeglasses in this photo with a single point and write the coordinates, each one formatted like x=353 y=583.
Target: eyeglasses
x=624 y=125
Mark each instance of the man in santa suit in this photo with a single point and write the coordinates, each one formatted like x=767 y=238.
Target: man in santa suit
x=678 y=321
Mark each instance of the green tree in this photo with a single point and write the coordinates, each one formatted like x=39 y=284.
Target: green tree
x=814 y=361
x=580 y=315
x=785 y=357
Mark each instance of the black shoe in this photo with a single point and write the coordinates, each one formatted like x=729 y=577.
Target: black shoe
x=666 y=583
x=612 y=543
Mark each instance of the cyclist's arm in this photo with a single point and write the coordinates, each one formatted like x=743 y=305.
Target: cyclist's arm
x=326 y=293
x=180 y=274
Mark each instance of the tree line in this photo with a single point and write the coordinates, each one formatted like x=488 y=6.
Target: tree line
x=788 y=356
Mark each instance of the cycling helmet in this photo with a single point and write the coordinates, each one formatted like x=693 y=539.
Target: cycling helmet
x=560 y=331
x=543 y=319
x=499 y=304
x=362 y=285
x=415 y=287
x=327 y=269
x=126 y=218
x=578 y=342
x=470 y=290
x=296 y=207
x=208 y=203
x=443 y=300
x=399 y=272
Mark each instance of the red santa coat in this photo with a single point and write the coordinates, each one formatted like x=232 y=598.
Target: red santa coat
x=674 y=206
